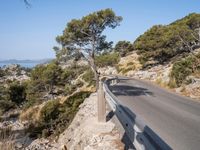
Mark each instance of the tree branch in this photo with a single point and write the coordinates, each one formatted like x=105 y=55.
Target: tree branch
x=186 y=43
x=27 y=3
x=195 y=37
x=85 y=33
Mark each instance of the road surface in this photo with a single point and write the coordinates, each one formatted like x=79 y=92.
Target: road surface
x=176 y=119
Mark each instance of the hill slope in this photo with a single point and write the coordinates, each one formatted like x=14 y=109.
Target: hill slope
x=161 y=43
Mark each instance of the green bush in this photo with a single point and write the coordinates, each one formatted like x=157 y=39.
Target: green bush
x=183 y=68
x=56 y=117
x=79 y=83
x=68 y=74
x=74 y=101
x=48 y=116
x=69 y=89
x=109 y=59
x=2 y=73
x=11 y=96
x=50 y=111
x=123 y=47
x=6 y=105
x=17 y=93
x=51 y=78
x=3 y=93
x=88 y=76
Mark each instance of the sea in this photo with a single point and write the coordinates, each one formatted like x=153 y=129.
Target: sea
x=26 y=65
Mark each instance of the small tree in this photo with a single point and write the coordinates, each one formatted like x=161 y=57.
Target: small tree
x=84 y=36
x=189 y=35
x=123 y=47
x=2 y=73
x=44 y=78
x=17 y=93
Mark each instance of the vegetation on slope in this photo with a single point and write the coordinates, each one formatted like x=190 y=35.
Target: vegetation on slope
x=85 y=37
x=123 y=48
x=107 y=59
x=163 y=42
x=183 y=68
x=38 y=96
x=47 y=82
x=12 y=96
x=55 y=117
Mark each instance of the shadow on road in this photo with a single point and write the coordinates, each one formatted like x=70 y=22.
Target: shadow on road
x=126 y=90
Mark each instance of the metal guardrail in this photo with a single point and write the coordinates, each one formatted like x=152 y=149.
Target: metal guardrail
x=142 y=137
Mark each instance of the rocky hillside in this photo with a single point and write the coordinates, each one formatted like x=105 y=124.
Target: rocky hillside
x=163 y=43
x=167 y=55
x=84 y=132
x=47 y=107
x=162 y=75
x=13 y=72
x=32 y=106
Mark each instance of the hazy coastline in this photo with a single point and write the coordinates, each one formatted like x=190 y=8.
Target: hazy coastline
x=24 y=63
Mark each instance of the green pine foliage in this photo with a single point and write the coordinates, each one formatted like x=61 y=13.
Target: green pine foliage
x=123 y=48
x=88 y=76
x=162 y=42
x=107 y=59
x=183 y=68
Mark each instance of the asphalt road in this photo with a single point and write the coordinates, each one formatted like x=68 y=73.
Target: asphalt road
x=176 y=119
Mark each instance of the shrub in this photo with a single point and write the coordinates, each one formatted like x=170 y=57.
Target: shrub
x=123 y=47
x=17 y=93
x=68 y=74
x=74 y=101
x=3 y=93
x=182 y=69
x=69 y=89
x=88 y=76
x=6 y=105
x=48 y=114
x=109 y=59
x=55 y=117
x=50 y=111
x=79 y=83
x=2 y=73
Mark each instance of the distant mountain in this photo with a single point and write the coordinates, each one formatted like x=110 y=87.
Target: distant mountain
x=15 y=61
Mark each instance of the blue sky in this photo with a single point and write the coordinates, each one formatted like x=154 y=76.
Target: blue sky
x=30 y=33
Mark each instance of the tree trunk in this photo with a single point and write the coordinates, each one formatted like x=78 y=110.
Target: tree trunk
x=97 y=80
x=96 y=75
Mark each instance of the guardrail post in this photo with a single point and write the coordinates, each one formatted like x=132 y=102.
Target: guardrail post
x=101 y=103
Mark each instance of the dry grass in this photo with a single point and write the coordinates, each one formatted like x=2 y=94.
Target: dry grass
x=161 y=83
x=129 y=63
x=31 y=114
x=6 y=139
x=7 y=145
